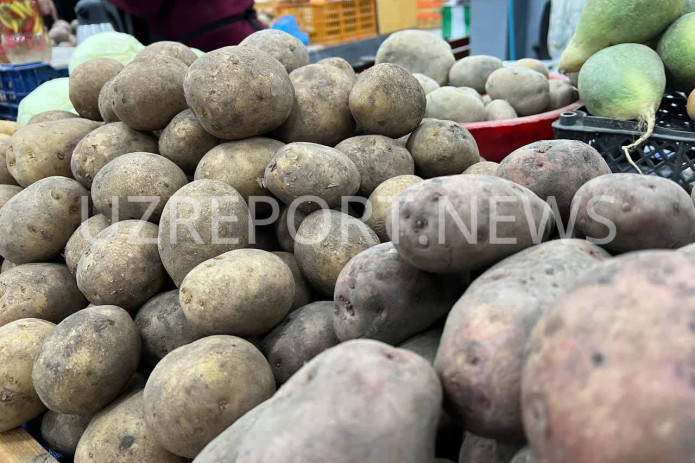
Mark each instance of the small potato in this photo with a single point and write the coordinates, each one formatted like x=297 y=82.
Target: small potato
x=301 y=336
x=148 y=92
x=79 y=240
x=5 y=177
x=86 y=81
x=36 y=223
x=286 y=48
x=477 y=449
x=454 y=104
x=62 y=432
x=199 y=390
x=44 y=291
x=325 y=242
x=8 y=192
x=442 y=148
x=106 y=103
x=380 y=201
x=499 y=110
x=562 y=93
x=224 y=91
x=473 y=71
x=121 y=265
x=533 y=64
x=174 y=49
x=52 y=115
x=45 y=149
x=105 y=144
x=341 y=64
x=424 y=344
x=428 y=84
x=286 y=227
x=19 y=343
x=136 y=175
x=244 y=292
x=87 y=360
x=526 y=90
x=184 y=141
x=482 y=168
x=380 y=110
x=378 y=159
x=302 y=293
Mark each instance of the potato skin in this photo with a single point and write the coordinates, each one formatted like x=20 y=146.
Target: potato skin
x=562 y=93
x=286 y=231
x=526 y=90
x=626 y=330
x=8 y=192
x=87 y=360
x=184 y=141
x=5 y=177
x=428 y=84
x=19 y=343
x=500 y=110
x=106 y=103
x=533 y=64
x=85 y=83
x=231 y=72
x=442 y=148
x=199 y=390
x=52 y=115
x=341 y=64
x=79 y=240
x=477 y=449
x=44 y=291
x=482 y=168
x=480 y=355
x=381 y=199
x=454 y=104
x=286 y=48
x=302 y=292
x=168 y=48
x=62 y=432
x=473 y=71
x=424 y=344
x=36 y=223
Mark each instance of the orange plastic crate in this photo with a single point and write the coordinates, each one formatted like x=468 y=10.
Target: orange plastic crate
x=429 y=14
x=332 y=22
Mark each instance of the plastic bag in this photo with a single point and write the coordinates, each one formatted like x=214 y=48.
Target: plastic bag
x=564 y=19
x=51 y=95
x=116 y=45
x=289 y=24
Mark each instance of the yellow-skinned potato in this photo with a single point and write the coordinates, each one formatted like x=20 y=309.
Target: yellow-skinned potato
x=380 y=201
x=86 y=81
x=9 y=127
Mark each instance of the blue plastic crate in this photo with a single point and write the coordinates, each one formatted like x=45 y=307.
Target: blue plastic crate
x=17 y=81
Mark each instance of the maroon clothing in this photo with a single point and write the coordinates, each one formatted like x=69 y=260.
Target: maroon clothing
x=183 y=20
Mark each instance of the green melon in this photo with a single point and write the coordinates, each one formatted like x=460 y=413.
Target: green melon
x=677 y=51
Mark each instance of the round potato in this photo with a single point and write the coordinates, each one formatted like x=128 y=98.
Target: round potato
x=526 y=90
x=302 y=293
x=454 y=104
x=79 y=240
x=562 y=93
x=5 y=177
x=473 y=71
x=184 y=141
x=85 y=83
x=499 y=110
x=52 y=115
x=442 y=148
x=482 y=168
x=174 y=49
x=199 y=390
x=429 y=85
x=8 y=192
x=286 y=227
x=379 y=203
x=105 y=144
x=19 y=343
x=119 y=187
x=533 y=64
x=230 y=101
x=106 y=103
x=36 y=223
x=379 y=109
x=286 y=48
x=341 y=64
x=62 y=432
x=121 y=265
x=87 y=360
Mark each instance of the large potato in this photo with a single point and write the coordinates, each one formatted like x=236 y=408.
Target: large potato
x=199 y=390
x=191 y=230
x=52 y=115
x=36 y=224
x=19 y=343
x=136 y=186
x=79 y=240
x=167 y=48
x=379 y=203
x=62 y=432
x=526 y=90
x=44 y=291
x=477 y=449
x=302 y=292
x=184 y=141
x=454 y=104
x=87 y=360
x=121 y=265
x=8 y=192
x=229 y=99
x=85 y=83
x=44 y=150
x=105 y=144
x=473 y=71
x=5 y=177
x=341 y=64
x=286 y=48
x=442 y=148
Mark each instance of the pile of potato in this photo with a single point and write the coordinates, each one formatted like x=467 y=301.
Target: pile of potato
x=245 y=257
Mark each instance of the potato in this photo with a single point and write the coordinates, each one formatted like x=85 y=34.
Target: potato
x=244 y=292
x=533 y=64
x=286 y=227
x=482 y=168
x=477 y=449
x=184 y=141
x=473 y=71
x=418 y=52
x=562 y=93
x=526 y=90
x=106 y=103
x=554 y=170
x=19 y=343
x=44 y=291
x=52 y=115
x=36 y=223
x=199 y=390
x=379 y=202
x=8 y=192
x=240 y=164
x=500 y=110
x=325 y=242
x=480 y=355
x=5 y=177
x=202 y=220
x=449 y=224
x=629 y=212
x=173 y=49
x=121 y=265
x=473 y=92
x=302 y=293
x=454 y=104
x=224 y=92
x=614 y=354
x=382 y=111
x=379 y=296
x=79 y=240
x=320 y=113
x=308 y=169
x=85 y=83
x=428 y=84
x=105 y=144
x=286 y=48
x=424 y=344
x=119 y=434
x=378 y=159
x=301 y=336
x=119 y=187
x=523 y=456
x=148 y=92
x=62 y=432
x=45 y=149
x=442 y=148
x=391 y=416
x=7 y=266
x=87 y=360
x=341 y=64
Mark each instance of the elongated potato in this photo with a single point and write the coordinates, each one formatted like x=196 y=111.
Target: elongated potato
x=442 y=148
x=184 y=141
x=302 y=292
x=79 y=240
x=379 y=202
x=62 y=432
x=85 y=83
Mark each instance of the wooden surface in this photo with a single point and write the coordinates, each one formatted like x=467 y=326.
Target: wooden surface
x=17 y=446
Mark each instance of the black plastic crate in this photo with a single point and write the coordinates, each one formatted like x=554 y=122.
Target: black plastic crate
x=669 y=152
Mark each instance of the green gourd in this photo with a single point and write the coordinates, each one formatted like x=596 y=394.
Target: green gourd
x=677 y=51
